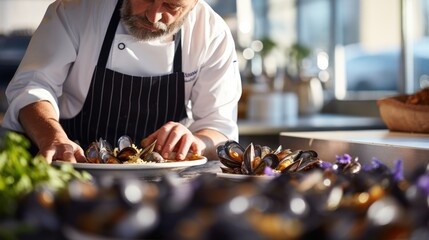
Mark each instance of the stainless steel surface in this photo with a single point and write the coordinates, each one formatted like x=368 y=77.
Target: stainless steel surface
x=412 y=149
x=317 y=122
x=268 y=133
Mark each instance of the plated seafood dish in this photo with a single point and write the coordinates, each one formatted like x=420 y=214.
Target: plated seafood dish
x=127 y=152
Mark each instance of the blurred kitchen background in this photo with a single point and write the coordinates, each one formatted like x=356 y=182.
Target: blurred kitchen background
x=305 y=64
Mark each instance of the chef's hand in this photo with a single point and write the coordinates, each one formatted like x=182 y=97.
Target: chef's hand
x=62 y=149
x=40 y=122
x=174 y=137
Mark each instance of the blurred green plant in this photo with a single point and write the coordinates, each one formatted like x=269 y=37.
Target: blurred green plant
x=22 y=173
x=296 y=54
x=268 y=45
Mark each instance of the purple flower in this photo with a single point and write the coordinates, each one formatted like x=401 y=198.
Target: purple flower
x=345 y=159
x=326 y=165
x=367 y=167
x=398 y=171
x=376 y=163
x=423 y=183
x=269 y=172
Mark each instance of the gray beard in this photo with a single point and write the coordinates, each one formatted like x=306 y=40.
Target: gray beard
x=131 y=23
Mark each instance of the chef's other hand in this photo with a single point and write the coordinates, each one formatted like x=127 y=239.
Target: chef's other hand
x=174 y=137
x=65 y=150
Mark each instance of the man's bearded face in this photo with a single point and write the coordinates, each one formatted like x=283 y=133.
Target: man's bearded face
x=141 y=28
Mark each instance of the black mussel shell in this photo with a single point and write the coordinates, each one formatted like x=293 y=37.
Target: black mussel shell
x=106 y=152
x=270 y=160
x=147 y=151
x=124 y=142
x=126 y=153
x=287 y=159
x=303 y=161
x=154 y=157
x=230 y=154
x=248 y=158
x=234 y=150
x=93 y=153
x=261 y=151
x=224 y=158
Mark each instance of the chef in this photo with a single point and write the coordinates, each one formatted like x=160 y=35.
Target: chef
x=162 y=70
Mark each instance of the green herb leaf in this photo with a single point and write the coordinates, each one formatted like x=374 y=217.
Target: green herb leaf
x=22 y=173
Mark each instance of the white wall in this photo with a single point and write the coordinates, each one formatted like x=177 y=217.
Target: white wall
x=21 y=14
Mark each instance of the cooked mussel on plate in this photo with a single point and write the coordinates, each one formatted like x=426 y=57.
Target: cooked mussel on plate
x=125 y=152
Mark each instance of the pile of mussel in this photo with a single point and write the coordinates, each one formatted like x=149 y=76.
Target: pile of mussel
x=256 y=159
x=340 y=200
x=126 y=151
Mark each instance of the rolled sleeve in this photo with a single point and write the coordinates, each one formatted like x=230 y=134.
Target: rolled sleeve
x=26 y=97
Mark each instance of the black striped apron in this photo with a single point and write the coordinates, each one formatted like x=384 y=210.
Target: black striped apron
x=118 y=104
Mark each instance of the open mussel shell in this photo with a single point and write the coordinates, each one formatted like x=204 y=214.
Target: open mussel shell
x=261 y=151
x=282 y=153
x=248 y=158
x=147 y=151
x=352 y=167
x=302 y=161
x=270 y=160
x=100 y=152
x=93 y=153
x=154 y=157
x=234 y=150
x=126 y=154
x=124 y=142
x=230 y=154
x=106 y=152
x=256 y=158
x=126 y=149
x=287 y=158
x=225 y=160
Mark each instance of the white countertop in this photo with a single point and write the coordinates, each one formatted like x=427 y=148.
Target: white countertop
x=383 y=137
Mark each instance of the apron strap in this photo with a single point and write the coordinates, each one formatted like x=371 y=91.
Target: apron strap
x=177 y=64
x=110 y=35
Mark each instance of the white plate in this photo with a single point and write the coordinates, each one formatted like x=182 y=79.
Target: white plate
x=140 y=170
x=244 y=176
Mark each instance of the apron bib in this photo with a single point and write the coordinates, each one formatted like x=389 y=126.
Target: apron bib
x=119 y=104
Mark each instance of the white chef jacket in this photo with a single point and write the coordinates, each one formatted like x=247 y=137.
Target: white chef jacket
x=64 y=50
